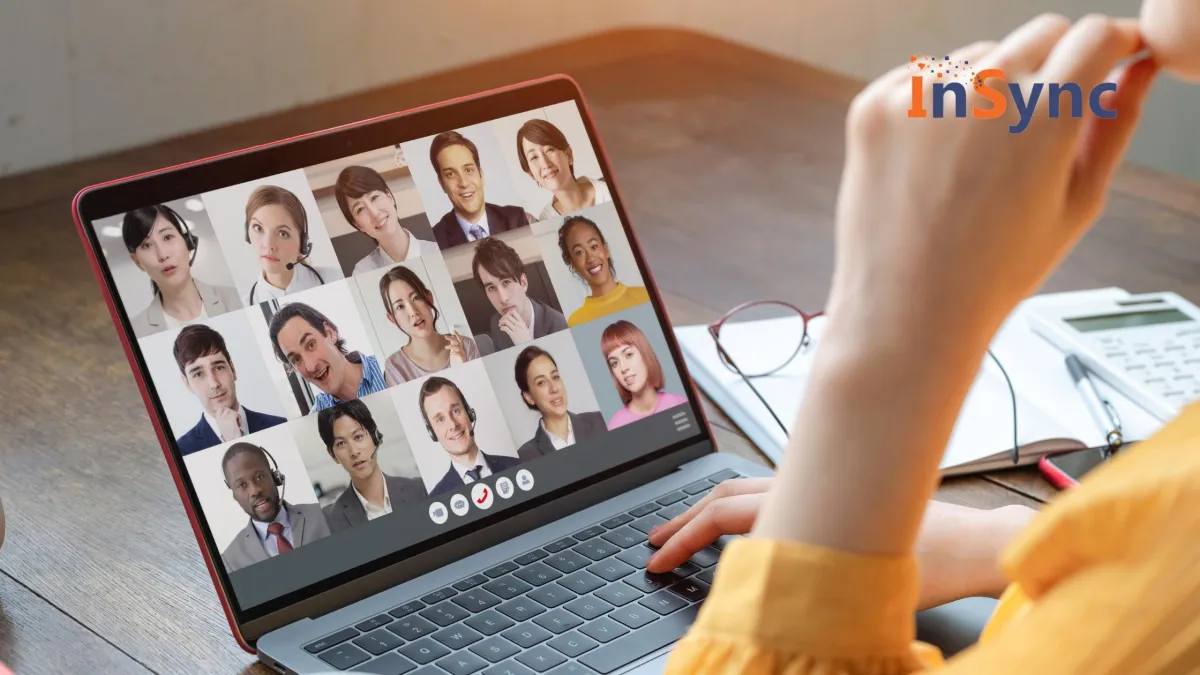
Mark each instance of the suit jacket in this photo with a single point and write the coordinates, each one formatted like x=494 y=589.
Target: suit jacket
x=308 y=525
x=217 y=300
x=546 y=320
x=202 y=436
x=452 y=481
x=500 y=219
x=347 y=511
x=585 y=425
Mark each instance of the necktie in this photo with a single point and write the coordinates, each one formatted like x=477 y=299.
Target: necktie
x=477 y=233
x=474 y=473
x=277 y=530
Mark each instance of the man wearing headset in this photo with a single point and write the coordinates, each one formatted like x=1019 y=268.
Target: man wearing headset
x=306 y=341
x=352 y=439
x=451 y=422
x=275 y=526
x=277 y=228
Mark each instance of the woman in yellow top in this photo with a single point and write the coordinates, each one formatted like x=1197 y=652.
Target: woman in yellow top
x=586 y=252
x=943 y=226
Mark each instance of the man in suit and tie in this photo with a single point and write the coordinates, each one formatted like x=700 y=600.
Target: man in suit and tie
x=275 y=526
x=499 y=271
x=543 y=389
x=455 y=159
x=451 y=422
x=352 y=439
x=207 y=371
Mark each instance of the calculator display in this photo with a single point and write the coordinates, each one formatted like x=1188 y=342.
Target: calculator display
x=1087 y=324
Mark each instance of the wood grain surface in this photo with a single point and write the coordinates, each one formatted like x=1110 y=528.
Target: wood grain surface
x=728 y=160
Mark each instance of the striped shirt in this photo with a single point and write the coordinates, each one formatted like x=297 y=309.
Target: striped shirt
x=372 y=381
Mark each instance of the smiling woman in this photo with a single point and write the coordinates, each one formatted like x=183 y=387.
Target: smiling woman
x=585 y=250
x=369 y=206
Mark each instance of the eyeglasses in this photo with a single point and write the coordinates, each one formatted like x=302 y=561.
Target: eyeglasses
x=788 y=328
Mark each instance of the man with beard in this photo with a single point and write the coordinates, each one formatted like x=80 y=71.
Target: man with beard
x=275 y=526
x=451 y=422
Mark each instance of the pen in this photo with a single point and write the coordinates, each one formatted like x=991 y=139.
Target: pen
x=1100 y=409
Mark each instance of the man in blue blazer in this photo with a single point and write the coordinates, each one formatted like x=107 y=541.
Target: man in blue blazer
x=455 y=159
x=450 y=422
x=207 y=371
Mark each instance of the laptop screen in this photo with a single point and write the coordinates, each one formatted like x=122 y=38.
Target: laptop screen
x=364 y=354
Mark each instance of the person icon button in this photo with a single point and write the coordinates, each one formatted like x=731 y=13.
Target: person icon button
x=525 y=480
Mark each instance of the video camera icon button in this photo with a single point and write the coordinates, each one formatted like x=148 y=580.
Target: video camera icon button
x=438 y=513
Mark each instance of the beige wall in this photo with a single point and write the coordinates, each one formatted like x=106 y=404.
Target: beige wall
x=84 y=77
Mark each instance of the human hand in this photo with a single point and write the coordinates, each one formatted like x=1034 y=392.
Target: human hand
x=458 y=350
x=515 y=327
x=958 y=547
x=943 y=225
x=229 y=422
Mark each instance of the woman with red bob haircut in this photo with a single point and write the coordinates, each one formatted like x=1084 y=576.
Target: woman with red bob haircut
x=636 y=374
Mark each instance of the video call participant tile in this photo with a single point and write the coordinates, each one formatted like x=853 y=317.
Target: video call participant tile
x=212 y=382
x=256 y=497
x=372 y=210
x=359 y=461
x=456 y=427
x=546 y=396
x=273 y=237
x=595 y=274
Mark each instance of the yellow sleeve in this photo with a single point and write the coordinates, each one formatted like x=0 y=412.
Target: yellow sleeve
x=784 y=607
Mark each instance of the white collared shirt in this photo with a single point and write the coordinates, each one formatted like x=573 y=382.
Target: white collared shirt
x=462 y=471
x=378 y=258
x=304 y=277
x=466 y=226
x=242 y=423
x=532 y=314
x=559 y=443
x=271 y=544
x=373 y=511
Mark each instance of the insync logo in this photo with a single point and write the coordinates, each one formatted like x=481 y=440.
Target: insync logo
x=953 y=75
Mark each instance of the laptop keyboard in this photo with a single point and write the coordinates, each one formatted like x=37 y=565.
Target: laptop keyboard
x=581 y=604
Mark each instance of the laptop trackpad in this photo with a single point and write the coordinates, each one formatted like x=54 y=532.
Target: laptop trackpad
x=652 y=667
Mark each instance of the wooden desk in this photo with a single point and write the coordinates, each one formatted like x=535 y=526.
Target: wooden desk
x=729 y=161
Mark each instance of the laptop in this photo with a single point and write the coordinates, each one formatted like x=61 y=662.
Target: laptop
x=417 y=389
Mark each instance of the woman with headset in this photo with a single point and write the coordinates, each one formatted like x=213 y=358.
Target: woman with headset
x=161 y=245
x=277 y=227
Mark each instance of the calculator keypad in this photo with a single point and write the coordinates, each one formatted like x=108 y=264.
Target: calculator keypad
x=1166 y=362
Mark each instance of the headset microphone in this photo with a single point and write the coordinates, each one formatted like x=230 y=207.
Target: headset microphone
x=292 y=265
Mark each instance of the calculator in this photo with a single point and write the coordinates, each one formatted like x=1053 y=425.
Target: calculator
x=1145 y=346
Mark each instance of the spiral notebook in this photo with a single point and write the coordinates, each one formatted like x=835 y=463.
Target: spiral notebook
x=1051 y=416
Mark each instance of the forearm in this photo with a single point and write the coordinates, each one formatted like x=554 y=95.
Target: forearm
x=958 y=550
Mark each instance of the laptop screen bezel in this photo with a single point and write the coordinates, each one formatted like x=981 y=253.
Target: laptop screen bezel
x=308 y=150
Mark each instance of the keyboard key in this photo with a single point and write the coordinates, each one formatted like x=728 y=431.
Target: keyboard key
x=502 y=569
x=662 y=602
x=707 y=575
x=727 y=474
x=561 y=544
x=690 y=590
x=460 y=637
x=694 y=499
x=573 y=644
x=378 y=642
x=508 y=668
x=471 y=582
x=604 y=629
x=438 y=596
x=489 y=622
x=687 y=569
x=388 y=664
x=521 y=609
x=640 y=643
x=568 y=561
x=572 y=668
x=649 y=583
x=541 y=658
x=611 y=569
x=706 y=557
x=330 y=640
x=588 y=608
x=476 y=600
x=373 y=623
x=462 y=663
x=527 y=635
x=507 y=587
x=617 y=521
x=495 y=649
x=648 y=523
x=673 y=511
x=634 y=616
x=618 y=594
x=590 y=533
x=581 y=582
x=668 y=499
x=722 y=542
x=412 y=628
x=558 y=621
x=344 y=656
x=698 y=487
x=551 y=595
x=424 y=650
x=537 y=574
x=624 y=537
x=644 y=509
x=531 y=557
x=445 y=614
x=597 y=549
x=407 y=608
